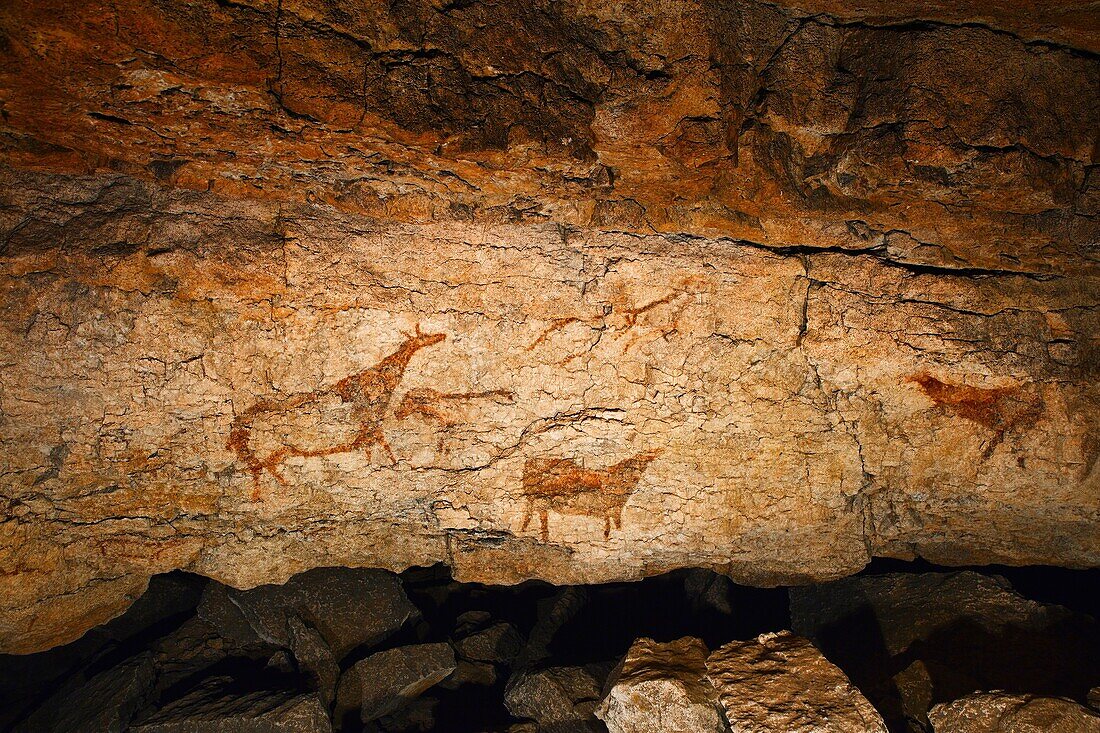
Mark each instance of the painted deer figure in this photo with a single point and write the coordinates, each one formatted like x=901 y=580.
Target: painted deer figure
x=368 y=393
x=564 y=486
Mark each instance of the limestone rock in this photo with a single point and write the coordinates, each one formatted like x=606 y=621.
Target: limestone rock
x=781 y=682
x=215 y=707
x=662 y=688
x=102 y=703
x=912 y=640
x=559 y=699
x=313 y=655
x=998 y=712
x=499 y=643
x=385 y=681
x=910 y=607
x=348 y=607
x=573 y=290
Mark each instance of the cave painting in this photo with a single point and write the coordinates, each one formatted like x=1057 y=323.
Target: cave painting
x=658 y=318
x=566 y=487
x=441 y=407
x=1000 y=409
x=368 y=393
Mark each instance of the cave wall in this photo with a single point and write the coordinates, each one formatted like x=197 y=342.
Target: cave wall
x=564 y=290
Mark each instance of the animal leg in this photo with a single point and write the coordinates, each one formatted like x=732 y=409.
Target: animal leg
x=256 y=471
x=607 y=527
x=380 y=438
x=526 y=518
x=619 y=519
x=544 y=515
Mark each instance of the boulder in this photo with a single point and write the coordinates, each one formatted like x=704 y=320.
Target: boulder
x=314 y=657
x=387 y=680
x=100 y=703
x=968 y=632
x=218 y=706
x=999 y=712
x=780 y=682
x=559 y=699
x=662 y=688
x=349 y=607
x=499 y=644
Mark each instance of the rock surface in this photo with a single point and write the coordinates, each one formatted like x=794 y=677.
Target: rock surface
x=912 y=640
x=100 y=703
x=563 y=290
x=559 y=699
x=385 y=681
x=780 y=682
x=348 y=608
x=996 y=712
x=214 y=708
x=662 y=688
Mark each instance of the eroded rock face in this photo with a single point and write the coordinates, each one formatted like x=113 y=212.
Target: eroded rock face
x=559 y=290
x=662 y=688
x=913 y=640
x=212 y=707
x=781 y=682
x=997 y=712
x=384 y=681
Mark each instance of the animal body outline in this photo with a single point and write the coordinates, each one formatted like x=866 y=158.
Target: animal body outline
x=566 y=487
x=999 y=409
x=370 y=392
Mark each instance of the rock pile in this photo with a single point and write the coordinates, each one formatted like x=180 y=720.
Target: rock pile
x=345 y=650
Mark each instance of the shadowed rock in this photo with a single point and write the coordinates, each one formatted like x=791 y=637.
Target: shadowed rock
x=913 y=640
x=103 y=703
x=348 y=607
x=385 y=681
x=559 y=699
x=215 y=707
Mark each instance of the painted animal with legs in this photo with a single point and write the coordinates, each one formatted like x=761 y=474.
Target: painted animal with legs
x=564 y=486
x=368 y=393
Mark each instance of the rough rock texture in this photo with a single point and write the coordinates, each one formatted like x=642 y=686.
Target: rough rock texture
x=780 y=682
x=499 y=643
x=662 y=688
x=571 y=290
x=385 y=681
x=214 y=708
x=912 y=640
x=100 y=703
x=997 y=712
x=559 y=699
x=347 y=608
x=911 y=607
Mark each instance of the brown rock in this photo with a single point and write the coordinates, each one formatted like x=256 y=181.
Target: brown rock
x=385 y=681
x=781 y=682
x=662 y=688
x=559 y=699
x=102 y=703
x=348 y=607
x=766 y=288
x=998 y=712
x=912 y=640
x=314 y=657
x=499 y=643
x=910 y=607
x=214 y=707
